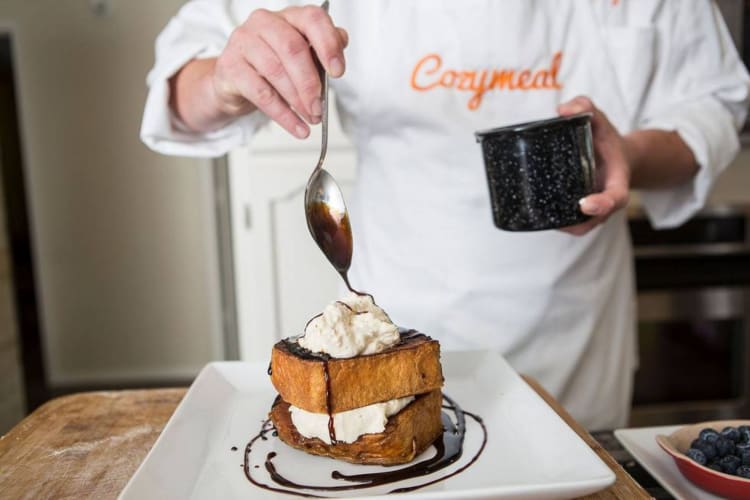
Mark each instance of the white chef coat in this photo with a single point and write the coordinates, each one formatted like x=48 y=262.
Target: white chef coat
x=560 y=308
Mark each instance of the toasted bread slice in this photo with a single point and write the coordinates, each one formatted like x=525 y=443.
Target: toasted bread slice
x=407 y=434
x=410 y=367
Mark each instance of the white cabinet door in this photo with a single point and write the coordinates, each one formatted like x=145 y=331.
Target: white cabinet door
x=282 y=279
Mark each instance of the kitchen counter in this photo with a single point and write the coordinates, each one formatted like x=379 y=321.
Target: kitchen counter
x=88 y=445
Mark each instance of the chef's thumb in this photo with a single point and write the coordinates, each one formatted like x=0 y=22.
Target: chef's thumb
x=599 y=204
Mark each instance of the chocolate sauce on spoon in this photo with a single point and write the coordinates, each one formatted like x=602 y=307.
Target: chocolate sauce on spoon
x=333 y=233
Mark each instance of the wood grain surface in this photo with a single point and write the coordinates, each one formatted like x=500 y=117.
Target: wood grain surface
x=84 y=445
x=88 y=445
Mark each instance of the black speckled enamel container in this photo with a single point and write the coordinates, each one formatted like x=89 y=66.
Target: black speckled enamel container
x=538 y=171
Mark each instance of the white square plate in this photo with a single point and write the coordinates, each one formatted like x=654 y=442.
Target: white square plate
x=641 y=443
x=530 y=453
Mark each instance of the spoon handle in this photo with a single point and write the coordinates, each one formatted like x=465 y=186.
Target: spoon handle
x=324 y=103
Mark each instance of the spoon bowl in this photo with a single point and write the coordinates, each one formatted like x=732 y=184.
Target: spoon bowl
x=328 y=220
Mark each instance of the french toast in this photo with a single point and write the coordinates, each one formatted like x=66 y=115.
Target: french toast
x=410 y=367
x=355 y=387
x=407 y=434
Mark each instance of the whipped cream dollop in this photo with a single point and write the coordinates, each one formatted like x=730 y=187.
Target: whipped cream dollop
x=348 y=425
x=351 y=326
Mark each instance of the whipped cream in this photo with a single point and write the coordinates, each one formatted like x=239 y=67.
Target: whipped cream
x=350 y=327
x=348 y=425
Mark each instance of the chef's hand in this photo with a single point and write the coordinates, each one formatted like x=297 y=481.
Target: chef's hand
x=267 y=65
x=613 y=168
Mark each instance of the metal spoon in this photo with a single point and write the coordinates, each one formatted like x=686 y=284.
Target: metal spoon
x=325 y=210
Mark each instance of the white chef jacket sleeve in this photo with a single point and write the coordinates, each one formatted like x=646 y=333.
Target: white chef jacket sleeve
x=700 y=90
x=199 y=30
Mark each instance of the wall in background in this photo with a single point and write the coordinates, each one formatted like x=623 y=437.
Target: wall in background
x=11 y=385
x=124 y=238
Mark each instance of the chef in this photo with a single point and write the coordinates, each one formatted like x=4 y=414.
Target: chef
x=413 y=81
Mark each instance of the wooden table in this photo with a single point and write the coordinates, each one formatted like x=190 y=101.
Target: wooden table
x=88 y=445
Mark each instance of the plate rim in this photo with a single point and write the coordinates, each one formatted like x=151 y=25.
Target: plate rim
x=591 y=484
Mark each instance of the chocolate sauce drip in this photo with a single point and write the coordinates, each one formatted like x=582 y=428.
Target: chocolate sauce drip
x=331 y=428
x=345 y=305
x=293 y=347
x=407 y=335
x=345 y=277
x=269 y=371
x=448 y=450
x=311 y=320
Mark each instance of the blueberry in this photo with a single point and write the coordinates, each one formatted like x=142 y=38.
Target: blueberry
x=715 y=466
x=740 y=448
x=745 y=456
x=709 y=435
x=724 y=446
x=743 y=471
x=744 y=432
x=708 y=449
x=730 y=463
x=697 y=456
x=731 y=433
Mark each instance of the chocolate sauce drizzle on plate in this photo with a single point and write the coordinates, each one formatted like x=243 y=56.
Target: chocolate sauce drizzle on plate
x=449 y=449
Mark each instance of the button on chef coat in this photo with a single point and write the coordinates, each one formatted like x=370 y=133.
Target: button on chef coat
x=421 y=77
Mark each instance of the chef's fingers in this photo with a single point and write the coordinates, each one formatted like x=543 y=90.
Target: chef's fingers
x=604 y=133
x=327 y=40
x=257 y=90
x=601 y=128
x=613 y=176
x=265 y=61
x=579 y=104
x=603 y=204
x=343 y=36
x=293 y=50
x=600 y=207
x=583 y=228
x=612 y=166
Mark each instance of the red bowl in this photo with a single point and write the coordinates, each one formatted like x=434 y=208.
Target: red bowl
x=677 y=443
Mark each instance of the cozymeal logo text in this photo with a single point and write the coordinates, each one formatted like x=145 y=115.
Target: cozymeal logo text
x=429 y=73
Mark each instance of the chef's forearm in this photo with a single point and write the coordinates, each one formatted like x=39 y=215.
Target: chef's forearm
x=194 y=101
x=658 y=159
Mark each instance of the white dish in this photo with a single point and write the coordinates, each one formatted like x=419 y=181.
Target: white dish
x=641 y=443
x=530 y=453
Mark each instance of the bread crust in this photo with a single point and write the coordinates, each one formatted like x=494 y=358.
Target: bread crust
x=411 y=367
x=407 y=434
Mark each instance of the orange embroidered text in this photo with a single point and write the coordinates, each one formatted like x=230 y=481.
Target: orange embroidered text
x=429 y=74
